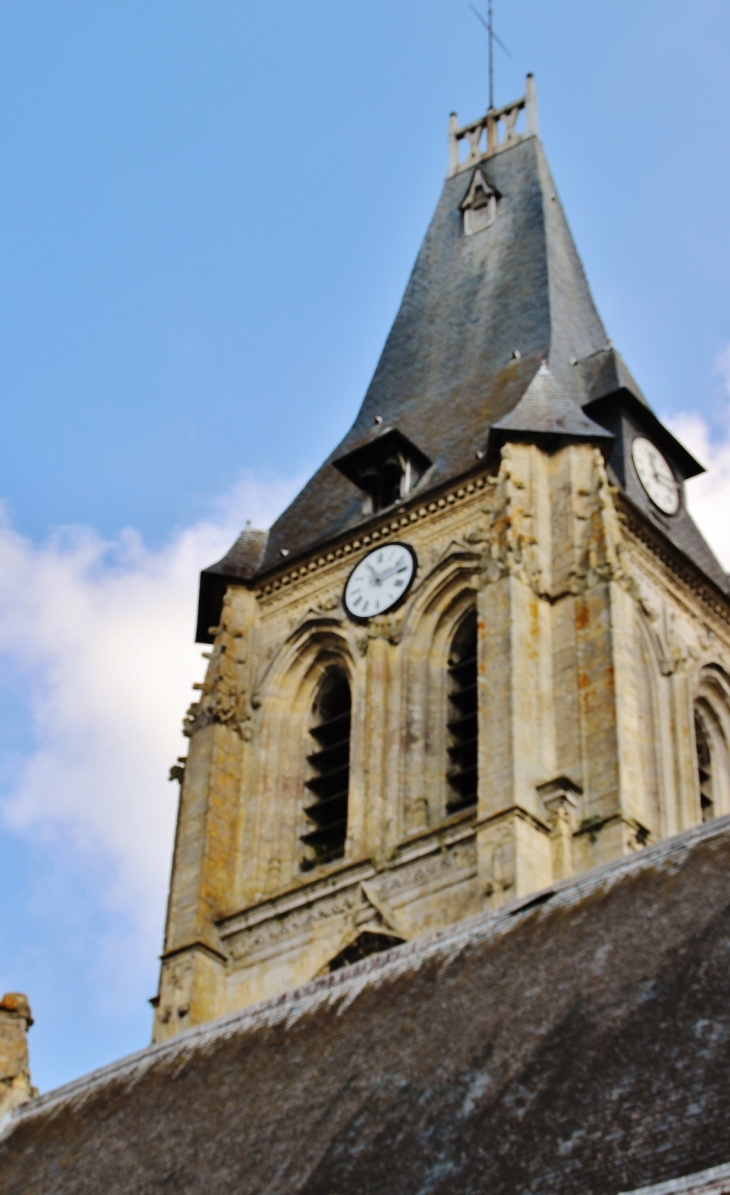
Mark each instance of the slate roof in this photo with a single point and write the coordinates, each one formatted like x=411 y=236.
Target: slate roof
x=237 y=566
x=447 y=371
x=576 y=1041
x=546 y=410
x=479 y=315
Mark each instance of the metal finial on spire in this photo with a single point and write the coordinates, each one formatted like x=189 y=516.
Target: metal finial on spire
x=491 y=55
x=492 y=39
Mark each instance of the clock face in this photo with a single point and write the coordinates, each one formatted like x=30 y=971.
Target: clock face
x=655 y=475
x=380 y=580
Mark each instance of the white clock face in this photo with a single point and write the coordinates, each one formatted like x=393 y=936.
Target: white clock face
x=379 y=581
x=655 y=475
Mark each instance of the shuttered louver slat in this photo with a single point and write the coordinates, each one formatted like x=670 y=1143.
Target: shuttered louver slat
x=325 y=805
x=704 y=771
x=462 y=723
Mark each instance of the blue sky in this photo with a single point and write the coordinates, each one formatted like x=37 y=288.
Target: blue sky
x=208 y=213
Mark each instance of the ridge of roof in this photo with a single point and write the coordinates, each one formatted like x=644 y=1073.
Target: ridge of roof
x=345 y=985
x=244 y=557
x=713 y=1181
x=605 y=371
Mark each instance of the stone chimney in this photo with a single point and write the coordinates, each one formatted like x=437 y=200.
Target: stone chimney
x=15 y=1021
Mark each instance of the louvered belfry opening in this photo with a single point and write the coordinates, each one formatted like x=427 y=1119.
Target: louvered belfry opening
x=462 y=724
x=704 y=770
x=329 y=766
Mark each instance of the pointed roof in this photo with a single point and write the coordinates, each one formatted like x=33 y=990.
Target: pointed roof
x=545 y=411
x=235 y=568
x=479 y=315
x=463 y=362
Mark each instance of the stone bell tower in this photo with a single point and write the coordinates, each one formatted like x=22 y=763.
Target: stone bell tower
x=485 y=647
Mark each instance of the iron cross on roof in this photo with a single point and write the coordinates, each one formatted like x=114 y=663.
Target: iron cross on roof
x=492 y=39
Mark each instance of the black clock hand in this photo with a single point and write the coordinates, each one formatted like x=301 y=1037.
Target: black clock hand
x=397 y=568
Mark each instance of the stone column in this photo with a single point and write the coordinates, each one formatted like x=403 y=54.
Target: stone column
x=516 y=709
x=375 y=780
x=207 y=839
x=561 y=800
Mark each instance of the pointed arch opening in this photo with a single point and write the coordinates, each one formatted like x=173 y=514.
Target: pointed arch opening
x=462 y=722
x=328 y=761
x=712 y=742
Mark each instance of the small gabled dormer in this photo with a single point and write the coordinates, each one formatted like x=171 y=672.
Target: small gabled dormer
x=479 y=205
x=386 y=469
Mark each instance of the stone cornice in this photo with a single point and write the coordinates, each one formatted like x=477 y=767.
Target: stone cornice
x=435 y=840
x=674 y=560
x=389 y=526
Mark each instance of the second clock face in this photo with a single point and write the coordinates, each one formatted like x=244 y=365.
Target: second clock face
x=655 y=475
x=380 y=580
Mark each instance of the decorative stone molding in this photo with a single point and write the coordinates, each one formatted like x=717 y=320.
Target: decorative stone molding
x=682 y=570
x=253 y=933
x=385 y=530
x=448 y=860
x=224 y=698
x=561 y=800
x=383 y=626
x=502 y=868
x=636 y=836
x=173 y=1001
x=15 y=1084
x=249 y=941
x=508 y=536
x=598 y=541
x=177 y=771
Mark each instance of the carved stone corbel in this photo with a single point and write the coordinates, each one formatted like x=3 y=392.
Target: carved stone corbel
x=224 y=698
x=560 y=799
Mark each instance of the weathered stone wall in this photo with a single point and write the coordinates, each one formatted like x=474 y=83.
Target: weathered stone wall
x=15 y=1084
x=594 y=644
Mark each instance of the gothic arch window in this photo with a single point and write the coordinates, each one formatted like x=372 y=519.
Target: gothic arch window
x=462 y=718
x=712 y=742
x=328 y=762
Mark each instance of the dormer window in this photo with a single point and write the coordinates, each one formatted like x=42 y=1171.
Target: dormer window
x=387 y=468
x=479 y=205
x=386 y=481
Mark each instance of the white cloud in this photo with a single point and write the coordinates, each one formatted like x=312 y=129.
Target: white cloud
x=708 y=496
x=100 y=634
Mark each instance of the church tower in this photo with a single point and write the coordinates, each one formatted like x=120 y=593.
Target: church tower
x=485 y=648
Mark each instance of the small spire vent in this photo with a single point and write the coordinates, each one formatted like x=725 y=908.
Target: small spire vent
x=479 y=205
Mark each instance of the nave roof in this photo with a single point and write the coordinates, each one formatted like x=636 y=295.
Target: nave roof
x=576 y=1040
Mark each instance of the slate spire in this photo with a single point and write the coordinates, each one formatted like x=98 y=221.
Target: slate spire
x=497 y=329
x=481 y=311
